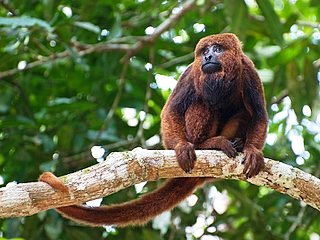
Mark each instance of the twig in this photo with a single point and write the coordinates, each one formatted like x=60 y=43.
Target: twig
x=139 y=135
x=115 y=101
x=65 y=54
x=316 y=63
x=177 y=60
x=308 y=24
x=7 y=6
x=106 y=47
x=140 y=131
x=164 y=26
x=296 y=223
x=83 y=157
x=261 y=18
x=282 y=95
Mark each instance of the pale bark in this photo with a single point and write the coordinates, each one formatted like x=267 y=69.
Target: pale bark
x=123 y=169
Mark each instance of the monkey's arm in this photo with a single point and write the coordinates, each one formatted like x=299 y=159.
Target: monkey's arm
x=172 y=128
x=254 y=101
x=174 y=137
x=173 y=121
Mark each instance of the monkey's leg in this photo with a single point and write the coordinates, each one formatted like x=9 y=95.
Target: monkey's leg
x=227 y=141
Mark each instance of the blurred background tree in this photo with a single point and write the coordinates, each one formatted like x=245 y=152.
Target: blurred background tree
x=78 y=80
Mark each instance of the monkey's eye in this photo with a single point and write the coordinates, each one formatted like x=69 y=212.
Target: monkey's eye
x=217 y=49
x=205 y=51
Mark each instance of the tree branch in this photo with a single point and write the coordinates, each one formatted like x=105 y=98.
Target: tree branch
x=115 y=102
x=164 y=26
x=99 y=47
x=6 y=4
x=130 y=49
x=123 y=169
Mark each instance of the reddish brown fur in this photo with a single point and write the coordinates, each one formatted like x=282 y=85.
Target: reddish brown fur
x=55 y=182
x=240 y=114
x=222 y=110
x=133 y=212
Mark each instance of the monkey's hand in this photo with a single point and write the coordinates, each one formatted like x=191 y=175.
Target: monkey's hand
x=221 y=143
x=186 y=156
x=253 y=161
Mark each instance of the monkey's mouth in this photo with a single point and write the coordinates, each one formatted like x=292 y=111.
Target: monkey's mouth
x=211 y=67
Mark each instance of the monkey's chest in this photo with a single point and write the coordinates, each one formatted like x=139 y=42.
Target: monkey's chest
x=198 y=121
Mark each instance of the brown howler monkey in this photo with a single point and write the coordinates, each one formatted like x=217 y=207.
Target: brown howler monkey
x=218 y=103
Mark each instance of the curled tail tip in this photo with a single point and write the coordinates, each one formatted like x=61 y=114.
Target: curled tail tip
x=53 y=181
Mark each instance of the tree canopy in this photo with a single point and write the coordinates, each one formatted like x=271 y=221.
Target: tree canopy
x=81 y=79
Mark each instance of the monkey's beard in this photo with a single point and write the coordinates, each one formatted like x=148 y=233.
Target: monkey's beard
x=218 y=93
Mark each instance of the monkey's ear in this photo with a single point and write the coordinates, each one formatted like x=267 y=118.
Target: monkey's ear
x=252 y=89
x=184 y=93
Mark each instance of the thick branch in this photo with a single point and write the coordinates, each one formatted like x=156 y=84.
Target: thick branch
x=123 y=169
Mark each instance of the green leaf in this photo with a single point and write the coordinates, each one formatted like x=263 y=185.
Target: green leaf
x=65 y=137
x=314 y=3
x=88 y=26
x=292 y=19
x=288 y=54
x=237 y=13
x=293 y=87
x=274 y=25
x=300 y=88
x=54 y=229
x=310 y=81
x=25 y=22
x=116 y=30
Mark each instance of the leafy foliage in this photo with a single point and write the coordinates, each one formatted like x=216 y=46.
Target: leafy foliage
x=69 y=81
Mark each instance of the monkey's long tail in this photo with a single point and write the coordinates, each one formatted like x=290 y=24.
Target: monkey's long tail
x=137 y=211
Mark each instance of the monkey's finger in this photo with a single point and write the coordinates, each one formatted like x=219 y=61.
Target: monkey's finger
x=244 y=158
x=192 y=155
x=252 y=170
x=259 y=165
x=253 y=165
x=190 y=159
x=238 y=144
x=247 y=163
x=230 y=152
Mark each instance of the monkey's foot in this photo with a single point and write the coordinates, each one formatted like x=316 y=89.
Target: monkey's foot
x=186 y=156
x=220 y=143
x=253 y=161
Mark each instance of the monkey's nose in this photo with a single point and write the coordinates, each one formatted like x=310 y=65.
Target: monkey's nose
x=208 y=58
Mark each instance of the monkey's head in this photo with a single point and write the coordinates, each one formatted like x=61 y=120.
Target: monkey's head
x=216 y=69
x=219 y=55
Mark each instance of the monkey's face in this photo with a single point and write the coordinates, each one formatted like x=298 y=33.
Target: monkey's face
x=218 y=57
x=210 y=61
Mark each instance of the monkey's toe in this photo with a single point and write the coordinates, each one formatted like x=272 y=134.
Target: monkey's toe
x=238 y=144
x=186 y=156
x=228 y=149
x=253 y=162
